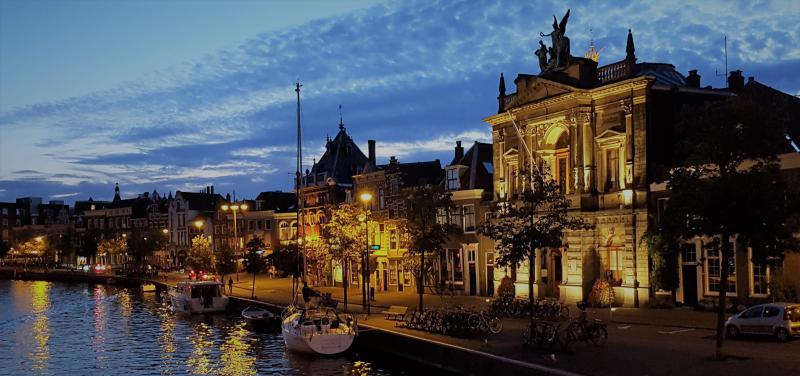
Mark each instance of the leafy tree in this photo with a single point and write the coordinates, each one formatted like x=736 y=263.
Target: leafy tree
x=200 y=256
x=225 y=260
x=143 y=243
x=254 y=261
x=534 y=222
x=90 y=241
x=664 y=259
x=286 y=260
x=727 y=183
x=344 y=239
x=423 y=232
x=112 y=246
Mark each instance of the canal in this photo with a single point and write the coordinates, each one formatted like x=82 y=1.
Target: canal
x=49 y=328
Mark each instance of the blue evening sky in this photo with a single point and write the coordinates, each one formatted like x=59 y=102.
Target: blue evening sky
x=177 y=95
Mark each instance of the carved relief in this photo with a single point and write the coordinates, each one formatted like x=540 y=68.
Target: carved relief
x=626 y=105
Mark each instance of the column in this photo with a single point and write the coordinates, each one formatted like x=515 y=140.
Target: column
x=588 y=155
x=627 y=108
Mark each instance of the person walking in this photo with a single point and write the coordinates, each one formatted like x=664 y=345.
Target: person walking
x=230 y=285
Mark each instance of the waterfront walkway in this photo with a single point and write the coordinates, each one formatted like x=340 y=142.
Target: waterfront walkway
x=639 y=339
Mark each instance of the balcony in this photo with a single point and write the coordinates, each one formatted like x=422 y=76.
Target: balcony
x=613 y=72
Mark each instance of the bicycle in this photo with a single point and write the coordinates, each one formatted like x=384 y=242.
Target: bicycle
x=485 y=321
x=581 y=329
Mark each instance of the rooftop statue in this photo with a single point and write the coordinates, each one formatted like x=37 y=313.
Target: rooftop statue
x=559 y=53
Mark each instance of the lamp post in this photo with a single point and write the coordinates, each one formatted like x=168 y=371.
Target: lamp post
x=165 y=232
x=235 y=208
x=366 y=198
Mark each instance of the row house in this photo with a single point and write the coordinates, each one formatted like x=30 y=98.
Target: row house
x=466 y=265
x=269 y=217
x=191 y=214
x=328 y=183
x=384 y=183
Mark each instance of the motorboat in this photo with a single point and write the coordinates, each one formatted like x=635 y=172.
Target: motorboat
x=317 y=331
x=259 y=317
x=198 y=297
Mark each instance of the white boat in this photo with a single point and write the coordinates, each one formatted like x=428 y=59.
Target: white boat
x=260 y=317
x=148 y=287
x=317 y=331
x=198 y=297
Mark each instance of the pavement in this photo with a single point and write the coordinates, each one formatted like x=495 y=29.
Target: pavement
x=641 y=341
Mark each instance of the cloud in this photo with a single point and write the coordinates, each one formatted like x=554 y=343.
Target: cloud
x=65 y=195
x=415 y=76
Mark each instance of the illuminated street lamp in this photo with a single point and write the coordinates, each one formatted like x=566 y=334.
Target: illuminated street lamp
x=366 y=198
x=235 y=208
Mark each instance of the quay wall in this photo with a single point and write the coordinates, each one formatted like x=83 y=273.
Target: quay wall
x=448 y=357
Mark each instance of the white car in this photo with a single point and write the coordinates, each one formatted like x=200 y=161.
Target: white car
x=781 y=320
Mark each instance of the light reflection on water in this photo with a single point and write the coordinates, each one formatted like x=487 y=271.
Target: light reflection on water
x=79 y=329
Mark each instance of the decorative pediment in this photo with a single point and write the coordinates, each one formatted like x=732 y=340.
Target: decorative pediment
x=610 y=137
x=511 y=154
x=531 y=89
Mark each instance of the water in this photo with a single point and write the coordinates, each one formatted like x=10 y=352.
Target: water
x=79 y=329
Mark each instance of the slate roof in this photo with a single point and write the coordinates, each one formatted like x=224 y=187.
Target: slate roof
x=342 y=158
x=419 y=173
x=664 y=74
x=480 y=170
x=202 y=201
x=278 y=201
x=789 y=105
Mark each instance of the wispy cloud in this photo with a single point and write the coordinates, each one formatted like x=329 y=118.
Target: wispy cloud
x=416 y=76
x=65 y=195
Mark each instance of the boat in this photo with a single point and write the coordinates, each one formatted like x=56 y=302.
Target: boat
x=317 y=331
x=259 y=317
x=148 y=287
x=198 y=297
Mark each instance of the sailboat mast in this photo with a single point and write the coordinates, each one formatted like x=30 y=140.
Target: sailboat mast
x=299 y=175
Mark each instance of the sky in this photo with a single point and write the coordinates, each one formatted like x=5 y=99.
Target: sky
x=179 y=95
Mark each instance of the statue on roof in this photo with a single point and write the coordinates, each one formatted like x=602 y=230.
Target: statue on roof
x=559 y=54
x=541 y=53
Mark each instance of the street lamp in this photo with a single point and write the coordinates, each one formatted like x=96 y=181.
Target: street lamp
x=366 y=198
x=235 y=208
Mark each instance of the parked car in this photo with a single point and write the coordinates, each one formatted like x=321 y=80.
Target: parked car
x=781 y=320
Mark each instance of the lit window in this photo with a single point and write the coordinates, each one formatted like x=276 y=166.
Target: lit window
x=714 y=267
x=469 y=218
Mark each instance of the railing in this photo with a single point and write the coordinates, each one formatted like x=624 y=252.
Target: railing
x=612 y=72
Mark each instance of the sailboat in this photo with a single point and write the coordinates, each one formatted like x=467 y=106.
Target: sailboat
x=314 y=330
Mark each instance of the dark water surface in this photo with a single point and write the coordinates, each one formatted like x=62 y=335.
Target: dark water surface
x=51 y=328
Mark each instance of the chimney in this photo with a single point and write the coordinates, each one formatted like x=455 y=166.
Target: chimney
x=736 y=81
x=459 y=152
x=371 y=152
x=393 y=161
x=212 y=189
x=693 y=80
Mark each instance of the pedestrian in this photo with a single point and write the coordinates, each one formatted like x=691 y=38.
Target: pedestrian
x=230 y=285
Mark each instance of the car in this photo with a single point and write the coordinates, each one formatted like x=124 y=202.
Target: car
x=781 y=320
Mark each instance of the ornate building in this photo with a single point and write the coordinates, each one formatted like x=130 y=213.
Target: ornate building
x=602 y=132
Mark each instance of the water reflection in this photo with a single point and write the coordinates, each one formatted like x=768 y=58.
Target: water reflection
x=40 y=303
x=235 y=358
x=75 y=329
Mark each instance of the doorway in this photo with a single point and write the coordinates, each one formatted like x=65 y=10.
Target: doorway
x=690 y=285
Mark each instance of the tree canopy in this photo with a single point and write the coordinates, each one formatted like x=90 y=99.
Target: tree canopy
x=200 y=256
x=727 y=182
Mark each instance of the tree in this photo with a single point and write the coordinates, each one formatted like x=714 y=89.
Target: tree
x=143 y=243
x=422 y=230
x=200 y=256
x=664 y=260
x=533 y=223
x=344 y=239
x=286 y=260
x=225 y=261
x=112 y=246
x=727 y=183
x=90 y=241
x=254 y=262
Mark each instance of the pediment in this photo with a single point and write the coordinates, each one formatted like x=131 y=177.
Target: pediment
x=609 y=133
x=533 y=88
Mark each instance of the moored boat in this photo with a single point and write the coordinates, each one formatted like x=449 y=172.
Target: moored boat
x=317 y=331
x=148 y=287
x=198 y=297
x=260 y=318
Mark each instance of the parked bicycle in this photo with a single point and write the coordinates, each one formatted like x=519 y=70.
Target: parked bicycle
x=484 y=321
x=545 y=335
x=581 y=329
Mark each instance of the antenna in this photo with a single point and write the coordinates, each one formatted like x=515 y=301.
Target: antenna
x=725 y=73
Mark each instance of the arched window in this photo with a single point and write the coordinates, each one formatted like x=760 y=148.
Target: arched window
x=284 y=230
x=562 y=165
x=293 y=234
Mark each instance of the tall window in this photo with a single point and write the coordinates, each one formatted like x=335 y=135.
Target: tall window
x=392 y=272
x=759 y=276
x=714 y=267
x=381 y=199
x=284 y=230
x=612 y=169
x=441 y=216
x=469 y=218
x=392 y=239
x=452 y=179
